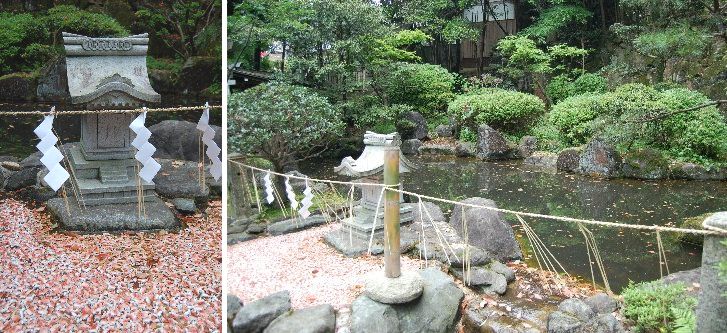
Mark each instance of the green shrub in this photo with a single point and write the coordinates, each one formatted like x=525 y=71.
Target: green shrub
x=16 y=32
x=654 y=306
x=28 y=41
x=70 y=19
x=588 y=83
x=698 y=136
x=427 y=88
x=572 y=118
x=467 y=135
x=505 y=110
x=561 y=87
x=558 y=88
x=281 y=123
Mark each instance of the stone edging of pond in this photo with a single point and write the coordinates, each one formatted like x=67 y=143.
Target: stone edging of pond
x=596 y=159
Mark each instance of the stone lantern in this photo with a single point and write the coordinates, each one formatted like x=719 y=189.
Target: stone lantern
x=109 y=73
x=368 y=168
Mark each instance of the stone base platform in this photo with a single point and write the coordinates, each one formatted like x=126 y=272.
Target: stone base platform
x=112 y=217
x=352 y=246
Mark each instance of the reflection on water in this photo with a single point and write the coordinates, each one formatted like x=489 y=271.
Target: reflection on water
x=628 y=254
x=17 y=131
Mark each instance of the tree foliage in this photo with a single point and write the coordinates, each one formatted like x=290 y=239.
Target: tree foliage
x=505 y=110
x=282 y=123
x=28 y=41
x=187 y=27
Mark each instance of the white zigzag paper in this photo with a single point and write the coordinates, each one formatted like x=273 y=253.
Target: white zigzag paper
x=290 y=194
x=145 y=149
x=52 y=157
x=208 y=138
x=307 y=201
x=268 y=188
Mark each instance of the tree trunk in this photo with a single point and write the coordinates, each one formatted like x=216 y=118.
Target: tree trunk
x=257 y=59
x=282 y=58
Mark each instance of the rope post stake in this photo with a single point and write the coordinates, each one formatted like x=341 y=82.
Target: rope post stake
x=394 y=287
x=392 y=236
x=712 y=306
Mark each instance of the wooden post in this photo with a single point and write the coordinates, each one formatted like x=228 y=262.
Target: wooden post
x=392 y=250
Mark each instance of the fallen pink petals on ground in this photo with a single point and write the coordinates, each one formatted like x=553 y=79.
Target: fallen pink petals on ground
x=128 y=282
x=303 y=264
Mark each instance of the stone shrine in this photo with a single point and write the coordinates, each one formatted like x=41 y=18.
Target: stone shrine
x=369 y=167
x=109 y=73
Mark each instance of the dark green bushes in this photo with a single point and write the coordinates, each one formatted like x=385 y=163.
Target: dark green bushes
x=638 y=116
x=505 y=110
x=28 y=41
x=656 y=307
x=281 y=122
x=427 y=88
x=561 y=87
x=572 y=118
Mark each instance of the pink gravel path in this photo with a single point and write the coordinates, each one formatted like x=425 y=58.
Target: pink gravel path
x=303 y=264
x=131 y=282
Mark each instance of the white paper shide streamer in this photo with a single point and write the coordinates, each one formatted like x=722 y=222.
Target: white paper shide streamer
x=52 y=157
x=290 y=194
x=145 y=149
x=307 y=201
x=268 y=188
x=208 y=138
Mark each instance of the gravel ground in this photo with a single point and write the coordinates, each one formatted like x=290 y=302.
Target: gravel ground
x=128 y=282
x=303 y=264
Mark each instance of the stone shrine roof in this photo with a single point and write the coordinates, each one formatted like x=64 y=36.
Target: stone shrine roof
x=108 y=71
x=371 y=161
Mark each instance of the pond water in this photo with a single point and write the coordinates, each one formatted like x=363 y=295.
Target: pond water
x=627 y=254
x=19 y=140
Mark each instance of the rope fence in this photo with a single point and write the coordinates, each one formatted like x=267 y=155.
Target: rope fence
x=657 y=228
x=107 y=111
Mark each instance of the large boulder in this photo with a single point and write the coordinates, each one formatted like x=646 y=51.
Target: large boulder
x=444 y=131
x=180 y=179
x=543 y=159
x=600 y=159
x=435 y=311
x=411 y=147
x=234 y=305
x=17 y=86
x=53 y=82
x=646 y=164
x=593 y=315
x=568 y=159
x=316 y=319
x=486 y=229
x=484 y=279
x=680 y=170
x=254 y=317
x=528 y=145
x=163 y=81
x=21 y=179
x=199 y=73
x=420 y=125
x=491 y=145
x=465 y=149
x=430 y=212
x=179 y=140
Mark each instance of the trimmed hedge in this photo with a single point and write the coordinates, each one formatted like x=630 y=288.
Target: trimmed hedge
x=505 y=110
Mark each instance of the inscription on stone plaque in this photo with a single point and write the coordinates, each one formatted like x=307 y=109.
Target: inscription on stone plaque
x=113 y=131
x=100 y=44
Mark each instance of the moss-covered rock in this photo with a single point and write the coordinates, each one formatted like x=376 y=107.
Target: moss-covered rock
x=691 y=171
x=692 y=223
x=646 y=164
x=18 y=87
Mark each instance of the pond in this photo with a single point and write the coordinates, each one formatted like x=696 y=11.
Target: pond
x=19 y=140
x=627 y=254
